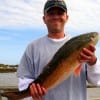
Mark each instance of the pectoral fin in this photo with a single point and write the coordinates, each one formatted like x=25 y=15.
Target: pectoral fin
x=77 y=70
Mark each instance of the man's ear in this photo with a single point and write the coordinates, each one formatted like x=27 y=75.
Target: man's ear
x=67 y=17
x=43 y=18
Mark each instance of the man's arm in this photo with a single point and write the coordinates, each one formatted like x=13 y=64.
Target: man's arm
x=93 y=64
x=24 y=83
x=93 y=73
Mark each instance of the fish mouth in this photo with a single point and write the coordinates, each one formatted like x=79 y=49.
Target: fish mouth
x=95 y=38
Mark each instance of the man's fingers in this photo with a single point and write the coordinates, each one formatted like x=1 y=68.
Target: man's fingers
x=87 y=55
x=84 y=56
x=44 y=90
x=41 y=90
x=34 y=92
x=87 y=52
x=92 y=48
x=37 y=91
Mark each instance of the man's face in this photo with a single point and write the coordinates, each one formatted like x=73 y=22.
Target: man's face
x=55 y=20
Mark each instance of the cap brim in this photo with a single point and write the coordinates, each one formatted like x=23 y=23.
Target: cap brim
x=54 y=6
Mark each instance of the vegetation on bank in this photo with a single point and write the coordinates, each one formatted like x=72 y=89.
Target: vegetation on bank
x=8 y=68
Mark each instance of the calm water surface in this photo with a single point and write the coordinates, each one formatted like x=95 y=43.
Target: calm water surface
x=8 y=79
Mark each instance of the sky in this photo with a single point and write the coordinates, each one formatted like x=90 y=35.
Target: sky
x=21 y=22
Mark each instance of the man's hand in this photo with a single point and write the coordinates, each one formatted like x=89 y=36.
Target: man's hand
x=37 y=91
x=87 y=55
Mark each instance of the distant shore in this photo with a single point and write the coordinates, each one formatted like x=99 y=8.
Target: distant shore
x=8 y=70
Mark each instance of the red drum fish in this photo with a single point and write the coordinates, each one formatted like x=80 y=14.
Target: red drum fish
x=63 y=63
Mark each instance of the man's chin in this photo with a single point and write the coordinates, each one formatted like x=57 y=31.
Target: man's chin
x=56 y=31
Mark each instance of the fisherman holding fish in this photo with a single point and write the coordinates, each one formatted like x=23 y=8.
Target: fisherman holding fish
x=40 y=52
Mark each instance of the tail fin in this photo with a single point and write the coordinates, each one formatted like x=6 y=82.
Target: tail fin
x=17 y=95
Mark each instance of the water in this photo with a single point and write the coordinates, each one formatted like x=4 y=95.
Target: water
x=8 y=79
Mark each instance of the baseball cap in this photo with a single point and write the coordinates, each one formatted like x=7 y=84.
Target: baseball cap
x=55 y=3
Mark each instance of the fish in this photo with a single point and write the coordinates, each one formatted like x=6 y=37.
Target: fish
x=61 y=66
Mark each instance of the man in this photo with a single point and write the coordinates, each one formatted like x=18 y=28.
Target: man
x=40 y=52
